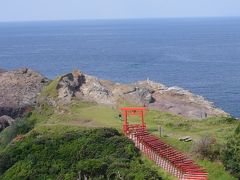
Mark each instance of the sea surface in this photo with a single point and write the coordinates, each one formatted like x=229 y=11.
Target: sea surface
x=201 y=54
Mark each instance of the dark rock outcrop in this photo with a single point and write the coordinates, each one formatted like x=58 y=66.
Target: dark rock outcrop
x=18 y=91
x=154 y=95
x=5 y=121
x=2 y=71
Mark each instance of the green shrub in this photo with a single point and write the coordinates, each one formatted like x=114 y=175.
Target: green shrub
x=96 y=154
x=93 y=168
x=237 y=130
x=20 y=126
x=231 y=153
x=183 y=125
x=221 y=120
x=207 y=148
x=230 y=119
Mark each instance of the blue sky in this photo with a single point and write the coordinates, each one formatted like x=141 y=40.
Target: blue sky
x=32 y=10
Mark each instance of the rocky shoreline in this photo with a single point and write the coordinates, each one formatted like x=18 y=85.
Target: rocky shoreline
x=20 y=88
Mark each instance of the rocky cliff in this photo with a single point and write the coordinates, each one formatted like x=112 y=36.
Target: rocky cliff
x=18 y=90
x=151 y=94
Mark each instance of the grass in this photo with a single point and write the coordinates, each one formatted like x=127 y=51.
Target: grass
x=165 y=175
x=86 y=115
x=50 y=90
x=215 y=170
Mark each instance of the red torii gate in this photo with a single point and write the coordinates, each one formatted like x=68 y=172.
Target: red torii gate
x=164 y=155
x=133 y=111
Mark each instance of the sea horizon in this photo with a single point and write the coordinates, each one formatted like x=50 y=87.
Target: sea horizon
x=121 y=19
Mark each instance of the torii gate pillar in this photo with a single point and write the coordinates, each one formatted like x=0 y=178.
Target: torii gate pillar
x=133 y=111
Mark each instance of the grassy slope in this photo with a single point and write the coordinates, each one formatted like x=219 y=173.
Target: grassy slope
x=88 y=115
x=81 y=114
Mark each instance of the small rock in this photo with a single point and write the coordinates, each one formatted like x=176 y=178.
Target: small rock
x=5 y=121
x=185 y=138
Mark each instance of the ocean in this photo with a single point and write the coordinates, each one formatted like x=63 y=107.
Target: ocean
x=198 y=54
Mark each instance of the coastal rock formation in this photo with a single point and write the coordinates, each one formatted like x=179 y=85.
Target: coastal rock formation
x=151 y=94
x=5 y=121
x=2 y=71
x=69 y=84
x=18 y=91
x=84 y=87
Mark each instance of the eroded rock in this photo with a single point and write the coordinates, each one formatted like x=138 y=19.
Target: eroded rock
x=69 y=84
x=18 y=91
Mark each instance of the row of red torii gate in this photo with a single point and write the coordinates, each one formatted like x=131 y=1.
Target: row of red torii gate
x=164 y=155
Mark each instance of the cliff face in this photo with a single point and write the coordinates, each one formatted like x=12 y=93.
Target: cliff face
x=154 y=95
x=18 y=91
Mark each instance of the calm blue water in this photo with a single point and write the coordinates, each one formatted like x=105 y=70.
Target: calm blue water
x=202 y=55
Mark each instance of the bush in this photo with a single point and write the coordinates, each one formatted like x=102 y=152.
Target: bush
x=237 y=130
x=207 y=147
x=231 y=153
x=96 y=154
x=221 y=120
x=184 y=125
x=230 y=120
x=93 y=168
x=20 y=126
